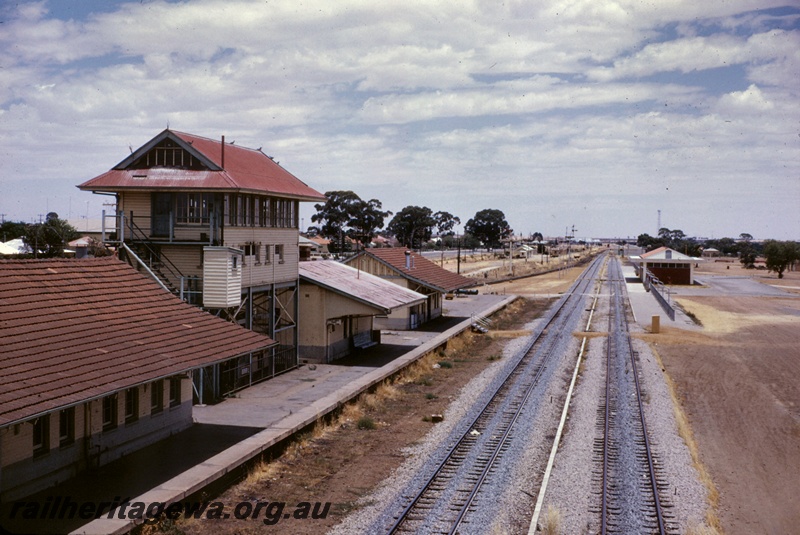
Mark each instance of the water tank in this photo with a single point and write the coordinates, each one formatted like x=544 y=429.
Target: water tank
x=222 y=277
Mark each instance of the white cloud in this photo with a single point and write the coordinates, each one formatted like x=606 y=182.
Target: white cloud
x=701 y=53
x=537 y=95
x=750 y=100
x=467 y=104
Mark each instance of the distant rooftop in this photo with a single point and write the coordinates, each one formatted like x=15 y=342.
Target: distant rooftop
x=420 y=270
x=359 y=285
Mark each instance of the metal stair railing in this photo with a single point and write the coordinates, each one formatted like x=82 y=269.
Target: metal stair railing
x=130 y=252
x=657 y=288
x=481 y=324
x=139 y=239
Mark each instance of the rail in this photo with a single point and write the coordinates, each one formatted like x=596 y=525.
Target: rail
x=507 y=403
x=616 y=446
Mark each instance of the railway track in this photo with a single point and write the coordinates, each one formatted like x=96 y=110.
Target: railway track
x=447 y=497
x=631 y=495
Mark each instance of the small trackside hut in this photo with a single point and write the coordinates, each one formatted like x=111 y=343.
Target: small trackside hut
x=338 y=309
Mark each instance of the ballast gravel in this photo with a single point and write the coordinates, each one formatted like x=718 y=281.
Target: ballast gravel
x=572 y=491
x=372 y=508
x=507 y=504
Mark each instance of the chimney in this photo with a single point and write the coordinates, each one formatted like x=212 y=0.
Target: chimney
x=408 y=259
x=222 y=164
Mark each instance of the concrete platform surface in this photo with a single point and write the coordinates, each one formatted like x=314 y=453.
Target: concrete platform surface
x=273 y=410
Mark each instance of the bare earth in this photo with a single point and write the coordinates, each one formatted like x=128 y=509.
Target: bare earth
x=738 y=380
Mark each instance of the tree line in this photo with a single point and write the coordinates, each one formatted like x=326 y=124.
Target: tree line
x=778 y=255
x=46 y=239
x=345 y=215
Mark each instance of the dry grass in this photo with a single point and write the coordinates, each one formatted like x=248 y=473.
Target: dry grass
x=590 y=335
x=508 y=334
x=376 y=400
x=723 y=322
x=552 y=521
x=353 y=413
x=702 y=530
x=350 y=413
x=420 y=370
x=259 y=472
x=712 y=525
x=459 y=343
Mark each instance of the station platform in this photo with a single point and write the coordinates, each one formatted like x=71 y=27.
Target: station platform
x=645 y=306
x=231 y=433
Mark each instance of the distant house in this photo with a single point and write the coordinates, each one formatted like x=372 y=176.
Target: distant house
x=96 y=361
x=668 y=265
x=711 y=253
x=82 y=246
x=338 y=305
x=415 y=272
x=15 y=247
x=309 y=249
x=322 y=244
x=217 y=224
x=382 y=241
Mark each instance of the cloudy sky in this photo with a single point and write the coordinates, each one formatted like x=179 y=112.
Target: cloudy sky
x=587 y=113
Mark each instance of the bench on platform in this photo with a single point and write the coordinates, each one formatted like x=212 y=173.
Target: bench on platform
x=364 y=340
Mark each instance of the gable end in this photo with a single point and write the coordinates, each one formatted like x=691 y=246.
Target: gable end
x=168 y=150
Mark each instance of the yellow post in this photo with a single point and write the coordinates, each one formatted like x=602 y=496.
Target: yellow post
x=655 y=325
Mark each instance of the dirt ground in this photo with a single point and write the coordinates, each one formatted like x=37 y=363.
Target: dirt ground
x=341 y=462
x=738 y=382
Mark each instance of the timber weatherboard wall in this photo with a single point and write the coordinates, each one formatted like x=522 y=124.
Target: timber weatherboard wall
x=401 y=319
x=330 y=321
x=268 y=270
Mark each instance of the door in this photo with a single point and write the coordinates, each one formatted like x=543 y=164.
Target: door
x=162 y=209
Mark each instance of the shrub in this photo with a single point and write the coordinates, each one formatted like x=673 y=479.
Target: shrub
x=365 y=422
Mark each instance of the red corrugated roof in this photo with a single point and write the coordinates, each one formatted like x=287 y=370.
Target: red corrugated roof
x=246 y=170
x=74 y=330
x=422 y=271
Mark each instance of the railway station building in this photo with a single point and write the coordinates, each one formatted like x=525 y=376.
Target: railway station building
x=217 y=224
x=668 y=265
x=338 y=307
x=413 y=271
x=97 y=361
